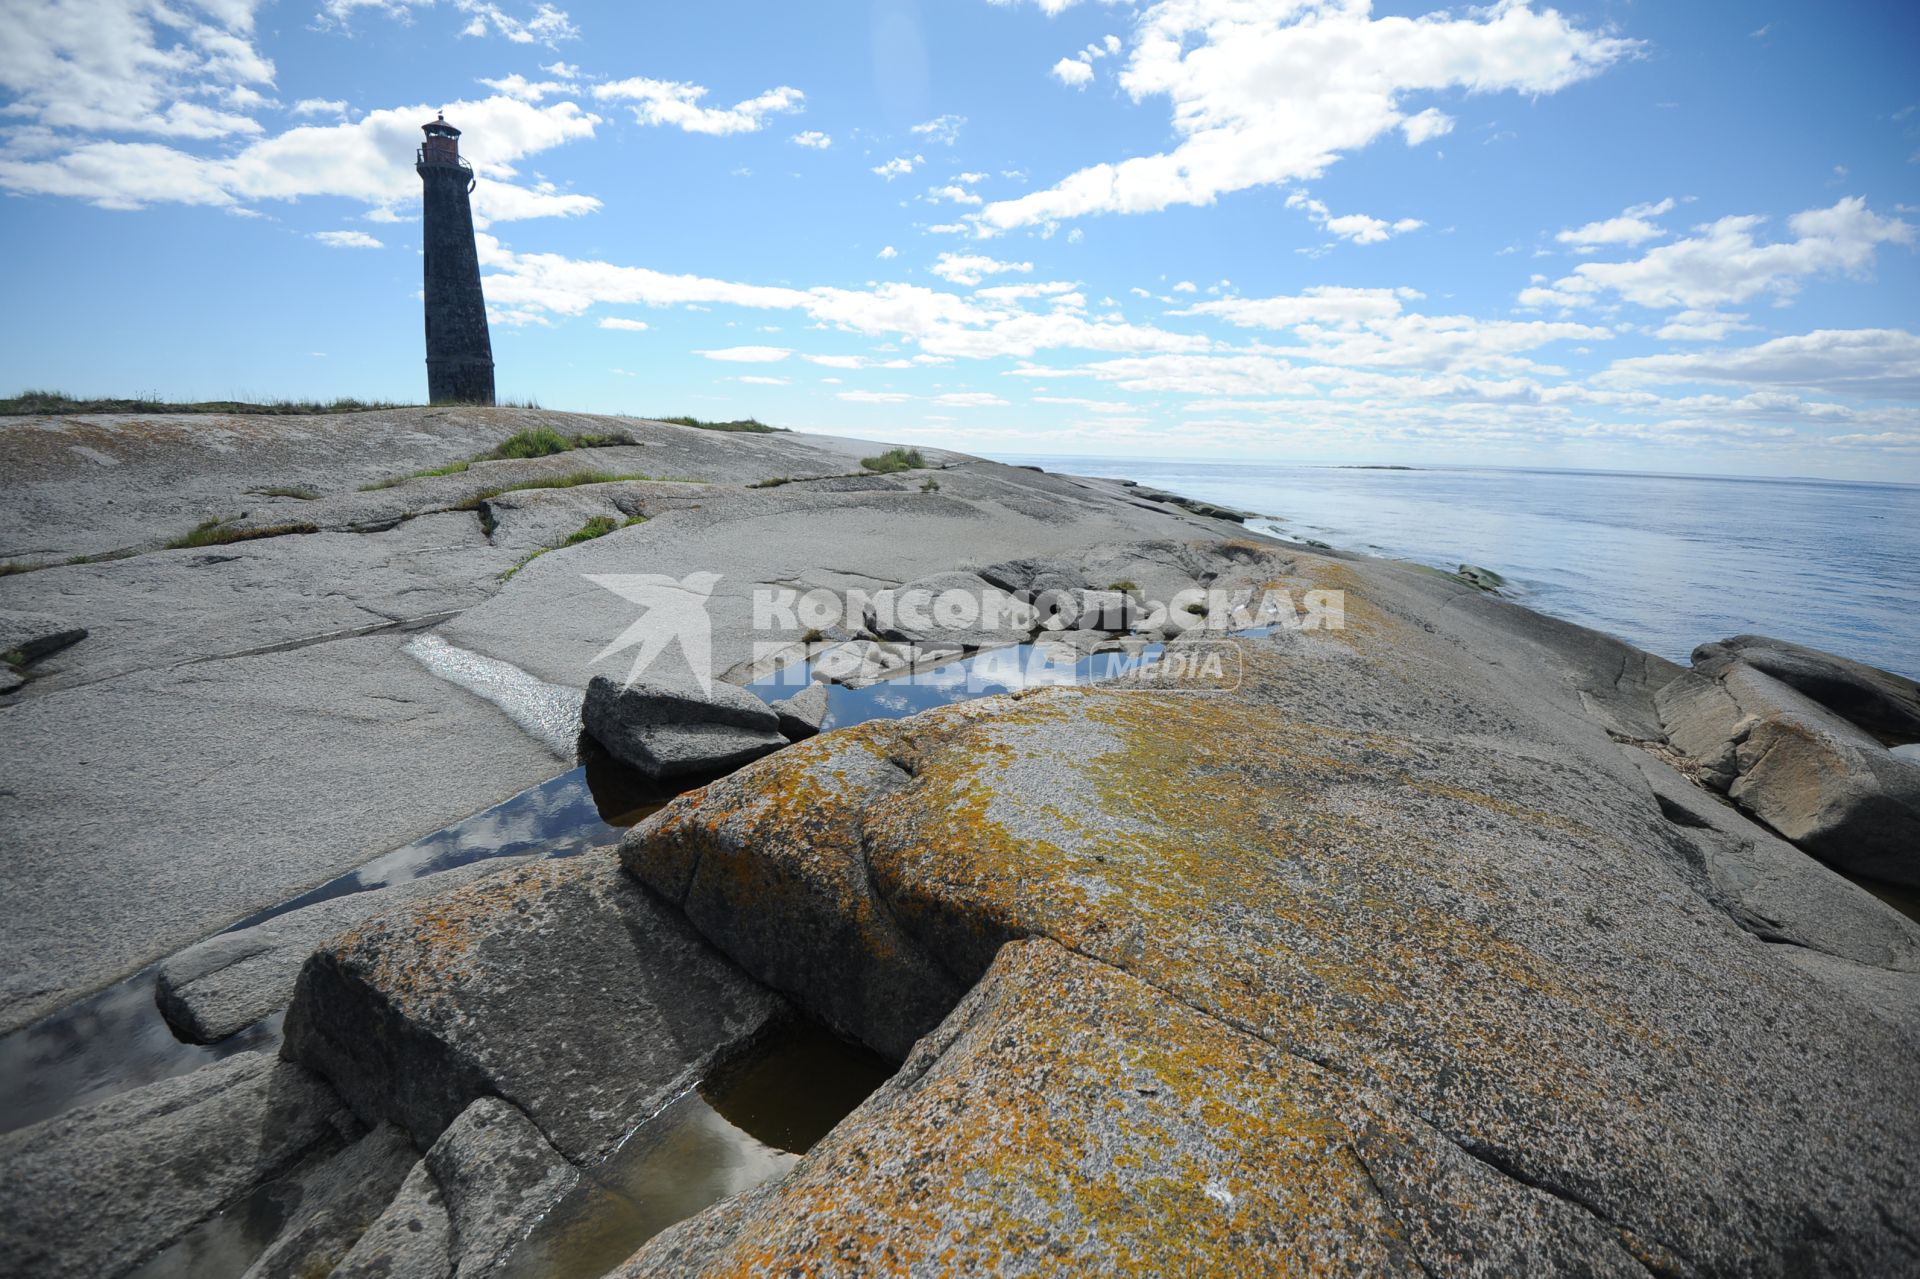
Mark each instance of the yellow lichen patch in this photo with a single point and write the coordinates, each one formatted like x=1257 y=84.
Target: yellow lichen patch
x=1081 y=1124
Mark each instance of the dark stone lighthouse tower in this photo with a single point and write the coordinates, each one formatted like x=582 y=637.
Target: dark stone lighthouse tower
x=459 y=354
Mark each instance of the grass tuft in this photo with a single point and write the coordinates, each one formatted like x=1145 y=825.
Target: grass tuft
x=49 y=403
x=218 y=532
x=895 y=460
x=747 y=424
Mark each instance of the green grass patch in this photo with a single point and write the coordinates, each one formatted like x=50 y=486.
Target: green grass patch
x=929 y=485
x=539 y=441
x=38 y=403
x=894 y=460
x=751 y=425
x=598 y=526
x=103 y=557
x=221 y=532
x=1126 y=586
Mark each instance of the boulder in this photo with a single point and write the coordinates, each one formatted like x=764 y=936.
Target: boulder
x=91 y=1193
x=1065 y=1119
x=670 y=732
x=1480 y=579
x=1445 y=892
x=1878 y=702
x=561 y=984
x=954 y=610
x=231 y=980
x=31 y=636
x=1814 y=777
x=802 y=714
x=335 y=1204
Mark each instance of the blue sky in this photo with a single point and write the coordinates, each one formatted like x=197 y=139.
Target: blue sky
x=1630 y=236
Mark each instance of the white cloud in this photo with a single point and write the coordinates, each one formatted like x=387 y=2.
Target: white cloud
x=1425 y=127
x=1724 y=264
x=518 y=86
x=1264 y=94
x=748 y=354
x=547 y=26
x=813 y=138
x=1356 y=227
x=1632 y=227
x=354 y=161
x=1072 y=73
x=873 y=397
x=943 y=129
x=970 y=400
x=1701 y=326
x=347 y=240
x=1871 y=362
x=132 y=66
x=755 y=379
x=320 y=106
x=623 y=324
x=899 y=166
x=942 y=324
x=955 y=194
x=967 y=268
x=675 y=103
x=887 y=252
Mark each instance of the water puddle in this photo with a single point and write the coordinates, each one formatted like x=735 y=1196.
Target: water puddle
x=1000 y=670
x=747 y=1125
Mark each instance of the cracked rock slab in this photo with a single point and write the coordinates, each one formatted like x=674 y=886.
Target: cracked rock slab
x=560 y=984
x=1068 y=1118
x=31 y=636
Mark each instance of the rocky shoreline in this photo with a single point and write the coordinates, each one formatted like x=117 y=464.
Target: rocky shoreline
x=1446 y=939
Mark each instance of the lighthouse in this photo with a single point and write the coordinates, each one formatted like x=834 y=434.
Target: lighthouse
x=459 y=353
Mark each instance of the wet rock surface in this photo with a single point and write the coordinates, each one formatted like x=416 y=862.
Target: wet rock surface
x=94 y=1192
x=337 y=1203
x=562 y=985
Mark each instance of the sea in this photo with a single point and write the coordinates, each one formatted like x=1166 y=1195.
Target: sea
x=1665 y=562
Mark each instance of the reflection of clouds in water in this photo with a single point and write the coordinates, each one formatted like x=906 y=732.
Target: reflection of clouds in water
x=558 y=815
x=892 y=701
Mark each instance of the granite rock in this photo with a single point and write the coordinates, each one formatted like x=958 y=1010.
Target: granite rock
x=561 y=984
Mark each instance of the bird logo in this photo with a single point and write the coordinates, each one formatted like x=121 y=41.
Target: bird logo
x=670 y=609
